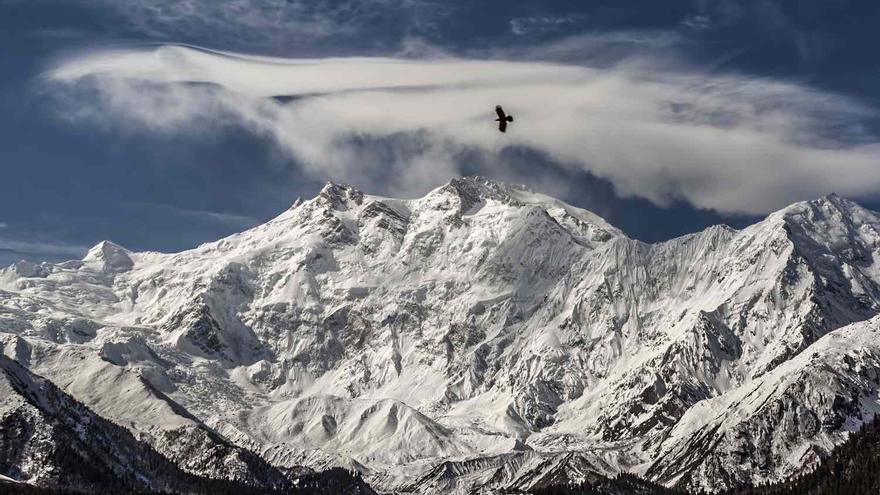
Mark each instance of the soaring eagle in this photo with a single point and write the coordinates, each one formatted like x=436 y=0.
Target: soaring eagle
x=502 y=119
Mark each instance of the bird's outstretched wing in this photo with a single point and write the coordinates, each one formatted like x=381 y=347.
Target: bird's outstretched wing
x=500 y=112
x=502 y=126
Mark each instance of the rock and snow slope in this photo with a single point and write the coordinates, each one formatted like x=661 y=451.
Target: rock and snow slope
x=48 y=438
x=473 y=338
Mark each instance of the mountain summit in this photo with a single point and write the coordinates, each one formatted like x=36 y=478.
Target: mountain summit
x=109 y=257
x=482 y=337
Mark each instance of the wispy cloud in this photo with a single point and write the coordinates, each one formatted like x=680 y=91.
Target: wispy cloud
x=12 y=250
x=4 y=225
x=727 y=142
x=541 y=24
x=275 y=23
x=228 y=219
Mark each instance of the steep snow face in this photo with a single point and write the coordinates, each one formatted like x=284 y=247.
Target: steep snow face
x=109 y=257
x=479 y=325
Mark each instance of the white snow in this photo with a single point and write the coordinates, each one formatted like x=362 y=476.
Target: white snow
x=480 y=320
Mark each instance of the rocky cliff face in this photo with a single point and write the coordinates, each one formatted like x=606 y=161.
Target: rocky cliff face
x=458 y=338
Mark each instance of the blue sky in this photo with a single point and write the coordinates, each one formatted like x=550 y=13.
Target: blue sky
x=664 y=117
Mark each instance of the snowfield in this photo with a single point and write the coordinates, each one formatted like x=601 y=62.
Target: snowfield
x=481 y=337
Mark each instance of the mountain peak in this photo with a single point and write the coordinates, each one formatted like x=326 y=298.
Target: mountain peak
x=338 y=195
x=484 y=187
x=833 y=199
x=830 y=205
x=474 y=189
x=109 y=257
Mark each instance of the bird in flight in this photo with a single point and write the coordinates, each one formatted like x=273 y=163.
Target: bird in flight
x=502 y=119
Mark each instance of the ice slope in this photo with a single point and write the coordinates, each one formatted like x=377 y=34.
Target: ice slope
x=480 y=322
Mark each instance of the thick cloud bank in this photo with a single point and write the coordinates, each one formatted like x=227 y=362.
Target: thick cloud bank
x=725 y=142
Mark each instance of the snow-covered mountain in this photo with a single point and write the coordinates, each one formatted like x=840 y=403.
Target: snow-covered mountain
x=481 y=337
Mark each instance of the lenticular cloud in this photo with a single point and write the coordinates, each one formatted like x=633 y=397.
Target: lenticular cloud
x=725 y=142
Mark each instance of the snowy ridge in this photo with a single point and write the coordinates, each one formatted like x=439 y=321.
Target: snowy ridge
x=479 y=338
